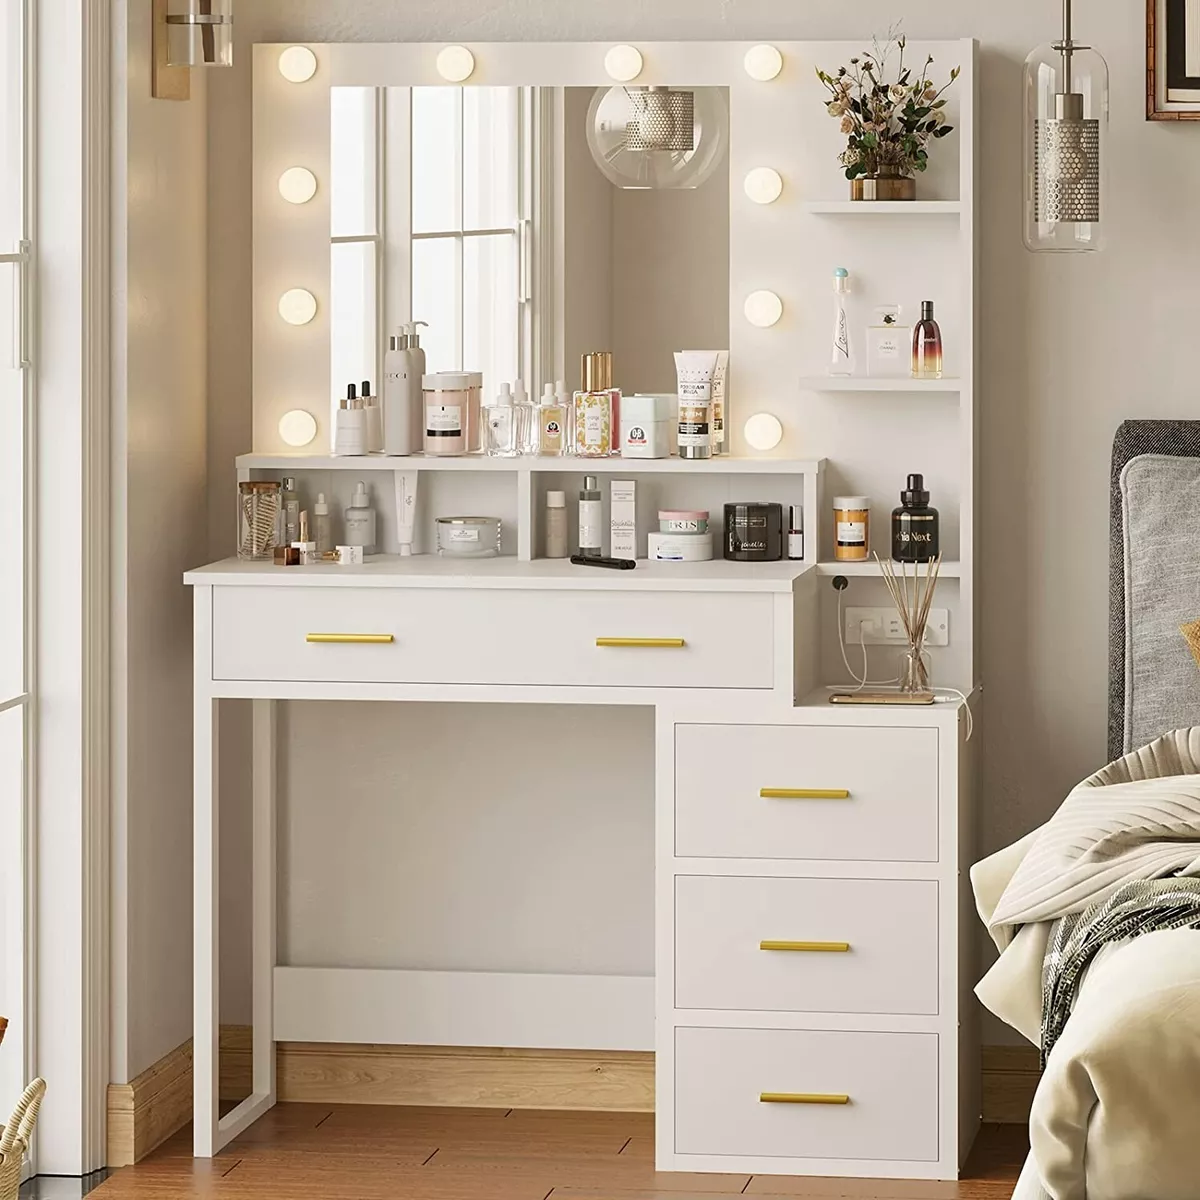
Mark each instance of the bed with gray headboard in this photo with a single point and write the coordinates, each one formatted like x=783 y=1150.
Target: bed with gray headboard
x=1154 y=581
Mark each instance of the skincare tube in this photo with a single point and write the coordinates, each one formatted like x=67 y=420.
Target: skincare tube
x=406 y=510
x=694 y=373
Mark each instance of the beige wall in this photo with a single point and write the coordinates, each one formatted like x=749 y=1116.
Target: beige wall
x=159 y=496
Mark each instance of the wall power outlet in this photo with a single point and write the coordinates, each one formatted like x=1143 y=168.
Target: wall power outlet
x=883 y=627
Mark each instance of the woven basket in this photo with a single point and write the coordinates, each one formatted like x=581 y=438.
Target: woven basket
x=14 y=1138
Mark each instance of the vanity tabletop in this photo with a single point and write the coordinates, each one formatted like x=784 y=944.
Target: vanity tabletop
x=507 y=572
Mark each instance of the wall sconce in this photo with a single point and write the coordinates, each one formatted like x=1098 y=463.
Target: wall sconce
x=623 y=63
x=297 y=427
x=763 y=185
x=297 y=185
x=763 y=63
x=297 y=306
x=763 y=309
x=185 y=34
x=297 y=64
x=455 y=64
x=763 y=431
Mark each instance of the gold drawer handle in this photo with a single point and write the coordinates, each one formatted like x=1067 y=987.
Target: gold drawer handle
x=808 y=947
x=350 y=639
x=804 y=793
x=802 y=1098
x=658 y=643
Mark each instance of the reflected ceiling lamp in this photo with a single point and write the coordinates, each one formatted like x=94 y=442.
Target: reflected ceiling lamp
x=658 y=137
x=1066 y=131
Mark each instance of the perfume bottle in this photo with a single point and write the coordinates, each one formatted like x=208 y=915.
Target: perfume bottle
x=525 y=414
x=927 y=345
x=886 y=343
x=500 y=425
x=595 y=406
x=914 y=525
x=551 y=424
x=842 y=362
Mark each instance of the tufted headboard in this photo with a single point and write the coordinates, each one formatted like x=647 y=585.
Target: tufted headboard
x=1154 y=581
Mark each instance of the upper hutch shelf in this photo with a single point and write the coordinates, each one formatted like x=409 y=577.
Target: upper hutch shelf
x=866 y=383
x=867 y=208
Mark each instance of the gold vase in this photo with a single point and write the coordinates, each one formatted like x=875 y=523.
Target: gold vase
x=886 y=184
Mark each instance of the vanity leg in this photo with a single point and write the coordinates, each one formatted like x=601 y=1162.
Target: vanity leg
x=206 y=894
x=263 y=899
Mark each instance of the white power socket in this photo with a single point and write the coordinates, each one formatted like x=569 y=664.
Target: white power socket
x=883 y=627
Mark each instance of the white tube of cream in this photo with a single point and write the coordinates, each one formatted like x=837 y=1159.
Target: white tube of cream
x=406 y=510
x=694 y=371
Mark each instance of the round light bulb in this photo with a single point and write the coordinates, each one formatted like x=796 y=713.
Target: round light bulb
x=763 y=63
x=623 y=63
x=763 y=432
x=297 y=427
x=455 y=63
x=297 y=185
x=763 y=185
x=297 y=64
x=297 y=306
x=763 y=309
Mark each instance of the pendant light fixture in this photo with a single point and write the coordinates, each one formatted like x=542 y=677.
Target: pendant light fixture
x=658 y=137
x=1066 y=134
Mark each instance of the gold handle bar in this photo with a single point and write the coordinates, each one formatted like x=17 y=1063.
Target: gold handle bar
x=659 y=643
x=802 y=1098
x=804 y=793
x=808 y=947
x=350 y=639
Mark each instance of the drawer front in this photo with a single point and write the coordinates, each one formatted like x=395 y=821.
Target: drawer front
x=867 y=794
x=395 y=635
x=806 y=945
x=804 y=1094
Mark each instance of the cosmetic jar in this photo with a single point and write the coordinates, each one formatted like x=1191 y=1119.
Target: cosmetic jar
x=682 y=521
x=754 y=532
x=679 y=547
x=452 y=421
x=468 y=537
x=851 y=528
x=260 y=506
x=646 y=425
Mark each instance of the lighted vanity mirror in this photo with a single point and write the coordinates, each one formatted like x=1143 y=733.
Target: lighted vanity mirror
x=528 y=225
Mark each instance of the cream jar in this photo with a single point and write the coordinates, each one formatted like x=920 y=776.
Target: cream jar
x=452 y=411
x=646 y=425
x=468 y=537
x=851 y=528
x=682 y=521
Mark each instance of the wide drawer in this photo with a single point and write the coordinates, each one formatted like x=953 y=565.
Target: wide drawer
x=806 y=945
x=395 y=635
x=804 y=1094
x=806 y=791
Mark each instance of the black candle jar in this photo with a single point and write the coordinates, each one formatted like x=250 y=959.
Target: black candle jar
x=754 y=532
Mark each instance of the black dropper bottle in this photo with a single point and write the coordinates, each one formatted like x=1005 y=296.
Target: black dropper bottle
x=914 y=525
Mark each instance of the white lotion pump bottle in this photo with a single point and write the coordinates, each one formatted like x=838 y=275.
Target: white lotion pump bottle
x=415 y=358
x=403 y=406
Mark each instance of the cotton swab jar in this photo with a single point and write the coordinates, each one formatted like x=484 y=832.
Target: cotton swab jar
x=260 y=505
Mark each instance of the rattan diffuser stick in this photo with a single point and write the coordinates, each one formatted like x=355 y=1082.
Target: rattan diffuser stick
x=913 y=605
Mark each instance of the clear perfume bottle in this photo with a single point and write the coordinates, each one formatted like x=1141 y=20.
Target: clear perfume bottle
x=927 y=345
x=526 y=415
x=500 y=425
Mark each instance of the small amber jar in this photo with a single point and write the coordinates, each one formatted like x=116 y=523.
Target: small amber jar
x=851 y=528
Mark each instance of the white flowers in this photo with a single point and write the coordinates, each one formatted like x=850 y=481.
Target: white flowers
x=837 y=108
x=847 y=124
x=897 y=92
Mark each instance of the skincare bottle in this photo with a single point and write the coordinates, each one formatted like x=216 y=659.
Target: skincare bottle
x=525 y=414
x=397 y=415
x=694 y=370
x=556 y=525
x=720 y=416
x=374 y=419
x=500 y=425
x=914 y=525
x=350 y=430
x=842 y=362
x=594 y=405
x=360 y=520
x=795 y=536
x=323 y=523
x=591 y=518
x=291 y=511
x=927 y=345
x=886 y=342
x=551 y=424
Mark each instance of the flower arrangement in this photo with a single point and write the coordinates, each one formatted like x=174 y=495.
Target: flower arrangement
x=889 y=124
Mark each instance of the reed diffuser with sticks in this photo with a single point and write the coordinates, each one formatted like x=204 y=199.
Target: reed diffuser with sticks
x=913 y=597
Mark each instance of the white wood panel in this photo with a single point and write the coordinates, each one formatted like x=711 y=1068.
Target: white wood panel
x=891 y=1079
x=891 y=927
x=891 y=814
x=464 y=1008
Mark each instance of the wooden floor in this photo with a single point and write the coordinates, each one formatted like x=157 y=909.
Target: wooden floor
x=351 y=1152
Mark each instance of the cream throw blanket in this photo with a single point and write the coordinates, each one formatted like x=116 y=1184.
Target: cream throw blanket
x=1117 y=1112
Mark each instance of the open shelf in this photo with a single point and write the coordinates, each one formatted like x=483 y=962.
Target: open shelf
x=725 y=465
x=949 y=570
x=868 y=383
x=864 y=208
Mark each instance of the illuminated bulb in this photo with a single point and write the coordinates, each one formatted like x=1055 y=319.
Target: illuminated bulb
x=763 y=185
x=298 y=185
x=763 y=432
x=455 y=63
x=763 y=309
x=297 y=427
x=623 y=63
x=297 y=307
x=763 y=63
x=297 y=64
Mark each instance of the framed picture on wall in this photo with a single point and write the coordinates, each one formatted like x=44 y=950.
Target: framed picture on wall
x=1173 y=60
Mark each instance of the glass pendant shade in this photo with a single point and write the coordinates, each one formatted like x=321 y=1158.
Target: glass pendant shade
x=200 y=33
x=1066 y=136
x=657 y=137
